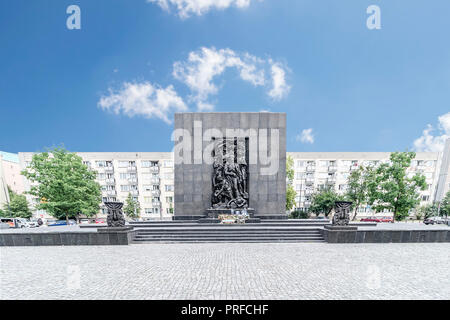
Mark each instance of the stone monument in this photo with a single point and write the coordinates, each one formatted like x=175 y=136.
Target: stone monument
x=115 y=215
x=230 y=161
x=341 y=217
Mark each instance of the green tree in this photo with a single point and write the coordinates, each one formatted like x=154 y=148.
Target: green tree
x=132 y=208
x=290 y=192
x=323 y=201
x=358 y=187
x=65 y=186
x=426 y=211
x=392 y=189
x=445 y=205
x=17 y=206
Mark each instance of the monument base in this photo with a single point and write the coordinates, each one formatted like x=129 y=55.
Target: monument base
x=114 y=229
x=214 y=213
x=340 y=228
x=214 y=220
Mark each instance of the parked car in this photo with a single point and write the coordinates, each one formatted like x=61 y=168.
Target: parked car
x=370 y=219
x=15 y=222
x=62 y=223
x=434 y=220
x=85 y=221
x=385 y=219
x=99 y=220
x=33 y=224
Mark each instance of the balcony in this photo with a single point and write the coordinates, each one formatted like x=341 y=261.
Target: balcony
x=134 y=193
x=131 y=169
x=111 y=193
x=309 y=181
x=109 y=169
x=110 y=181
x=154 y=169
x=310 y=168
x=156 y=204
x=156 y=193
x=309 y=192
x=155 y=180
x=132 y=180
x=353 y=168
x=307 y=203
x=331 y=180
x=332 y=168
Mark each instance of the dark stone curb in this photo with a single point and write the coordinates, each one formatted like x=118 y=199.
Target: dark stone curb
x=385 y=236
x=104 y=237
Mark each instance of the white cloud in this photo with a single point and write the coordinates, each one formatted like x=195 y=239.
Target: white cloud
x=145 y=99
x=433 y=143
x=306 y=136
x=187 y=8
x=280 y=89
x=206 y=64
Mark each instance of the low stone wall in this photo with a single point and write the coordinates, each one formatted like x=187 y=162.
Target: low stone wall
x=66 y=238
x=385 y=236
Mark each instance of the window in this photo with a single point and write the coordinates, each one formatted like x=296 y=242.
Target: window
x=149 y=163
x=169 y=187
x=101 y=176
x=148 y=199
x=123 y=164
x=168 y=176
x=100 y=164
x=125 y=188
x=425 y=198
x=168 y=164
x=300 y=175
x=169 y=199
x=300 y=163
x=169 y=210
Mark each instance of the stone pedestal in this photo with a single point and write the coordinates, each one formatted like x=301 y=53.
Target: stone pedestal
x=340 y=228
x=196 y=134
x=115 y=229
x=214 y=213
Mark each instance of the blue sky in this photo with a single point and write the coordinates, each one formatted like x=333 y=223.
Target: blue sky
x=355 y=89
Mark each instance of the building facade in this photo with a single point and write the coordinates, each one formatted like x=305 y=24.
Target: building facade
x=319 y=170
x=149 y=176
x=10 y=176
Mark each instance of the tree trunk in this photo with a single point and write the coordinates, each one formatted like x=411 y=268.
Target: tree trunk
x=356 y=212
x=67 y=219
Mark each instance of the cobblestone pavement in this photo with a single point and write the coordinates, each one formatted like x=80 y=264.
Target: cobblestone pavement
x=227 y=271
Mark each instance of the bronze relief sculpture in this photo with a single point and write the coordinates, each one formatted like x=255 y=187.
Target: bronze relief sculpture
x=230 y=175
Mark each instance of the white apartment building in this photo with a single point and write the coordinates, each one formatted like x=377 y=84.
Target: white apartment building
x=319 y=170
x=148 y=176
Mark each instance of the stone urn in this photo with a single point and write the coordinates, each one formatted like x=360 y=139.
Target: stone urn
x=341 y=215
x=115 y=216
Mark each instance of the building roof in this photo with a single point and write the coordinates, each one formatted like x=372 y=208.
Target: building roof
x=11 y=157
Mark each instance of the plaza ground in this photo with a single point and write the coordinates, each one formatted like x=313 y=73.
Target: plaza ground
x=227 y=271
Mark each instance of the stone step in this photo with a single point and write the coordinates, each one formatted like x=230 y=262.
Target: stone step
x=234 y=231
x=206 y=225
x=213 y=240
x=240 y=236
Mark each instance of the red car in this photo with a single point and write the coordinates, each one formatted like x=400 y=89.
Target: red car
x=377 y=219
x=99 y=221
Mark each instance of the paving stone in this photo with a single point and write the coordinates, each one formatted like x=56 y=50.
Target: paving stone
x=228 y=271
